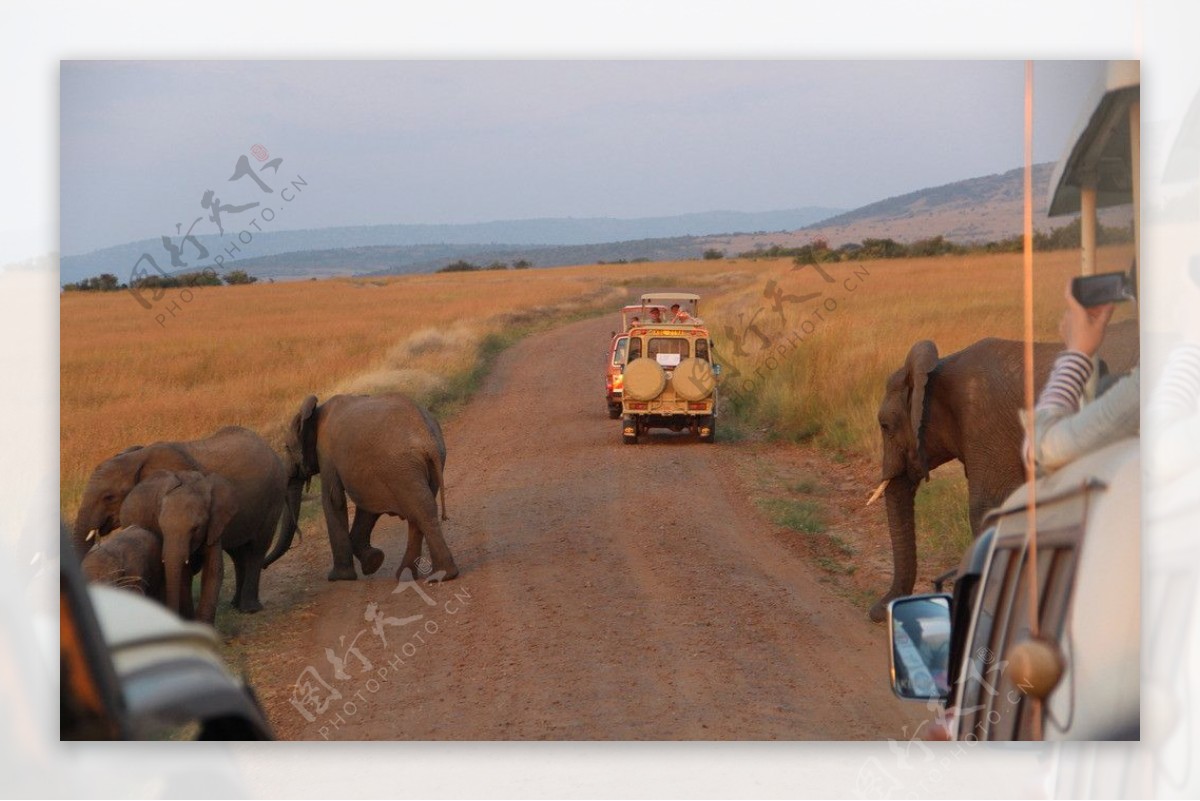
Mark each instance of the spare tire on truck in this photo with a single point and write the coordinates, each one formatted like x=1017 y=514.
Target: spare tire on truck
x=644 y=379
x=693 y=379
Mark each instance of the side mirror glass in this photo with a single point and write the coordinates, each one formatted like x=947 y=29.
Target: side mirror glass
x=919 y=634
x=716 y=368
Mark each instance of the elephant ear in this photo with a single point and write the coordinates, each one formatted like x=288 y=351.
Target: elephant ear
x=304 y=427
x=222 y=506
x=922 y=358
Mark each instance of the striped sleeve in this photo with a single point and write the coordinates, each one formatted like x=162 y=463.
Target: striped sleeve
x=1064 y=388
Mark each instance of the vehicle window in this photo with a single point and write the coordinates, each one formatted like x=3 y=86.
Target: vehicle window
x=620 y=351
x=659 y=345
x=1056 y=571
x=993 y=707
x=982 y=657
x=702 y=349
x=635 y=349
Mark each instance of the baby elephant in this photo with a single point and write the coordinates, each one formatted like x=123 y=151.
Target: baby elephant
x=130 y=558
x=189 y=510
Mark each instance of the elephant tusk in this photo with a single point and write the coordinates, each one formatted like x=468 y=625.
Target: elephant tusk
x=878 y=491
x=91 y=535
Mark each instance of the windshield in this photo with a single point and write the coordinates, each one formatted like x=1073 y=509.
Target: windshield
x=659 y=345
x=620 y=351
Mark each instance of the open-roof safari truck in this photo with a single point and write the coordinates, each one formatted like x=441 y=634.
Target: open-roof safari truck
x=668 y=379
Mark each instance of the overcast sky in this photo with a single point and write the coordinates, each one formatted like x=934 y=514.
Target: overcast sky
x=471 y=141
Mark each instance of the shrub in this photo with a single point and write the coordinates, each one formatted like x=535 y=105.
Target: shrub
x=460 y=266
x=239 y=277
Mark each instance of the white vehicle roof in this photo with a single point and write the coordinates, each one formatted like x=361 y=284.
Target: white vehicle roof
x=1099 y=148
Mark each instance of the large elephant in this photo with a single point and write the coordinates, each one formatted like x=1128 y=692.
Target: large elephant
x=190 y=511
x=130 y=558
x=963 y=406
x=387 y=454
x=238 y=455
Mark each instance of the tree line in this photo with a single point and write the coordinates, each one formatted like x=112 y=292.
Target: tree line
x=107 y=282
x=1062 y=238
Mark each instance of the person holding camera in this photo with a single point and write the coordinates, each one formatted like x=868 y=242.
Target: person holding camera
x=1062 y=430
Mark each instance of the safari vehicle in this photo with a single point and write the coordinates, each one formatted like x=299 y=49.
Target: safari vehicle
x=972 y=650
x=975 y=649
x=132 y=670
x=669 y=380
x=614 y=364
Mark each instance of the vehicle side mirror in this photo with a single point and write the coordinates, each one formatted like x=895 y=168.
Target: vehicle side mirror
x=919 y=638
x=716 y=368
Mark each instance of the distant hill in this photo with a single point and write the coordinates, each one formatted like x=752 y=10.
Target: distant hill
x=431 y=242
x=975 y=210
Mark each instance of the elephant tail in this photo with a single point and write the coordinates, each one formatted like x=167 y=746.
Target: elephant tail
x=289 y=523
x=436 y=466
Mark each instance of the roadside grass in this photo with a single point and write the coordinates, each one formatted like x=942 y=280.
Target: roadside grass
x=942 y=518
x=804 y=516
x=807 y=517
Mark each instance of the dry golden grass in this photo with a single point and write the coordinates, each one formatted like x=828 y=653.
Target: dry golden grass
x=247 y=355
x=829 y=386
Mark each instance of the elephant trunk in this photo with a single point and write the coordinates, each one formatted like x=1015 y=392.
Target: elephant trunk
x=178 y=573
x=289 y=521
x=91 y=523
x=899 y=496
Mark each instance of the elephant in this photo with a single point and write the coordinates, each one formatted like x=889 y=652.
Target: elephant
x=962 y=406
x=238 y=455
x=388 y=455
x=189 y=511
x=130 y=558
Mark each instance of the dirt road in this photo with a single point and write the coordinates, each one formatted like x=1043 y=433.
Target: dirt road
x=606 y=592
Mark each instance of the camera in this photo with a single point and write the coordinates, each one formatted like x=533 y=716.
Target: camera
x=1096 y=290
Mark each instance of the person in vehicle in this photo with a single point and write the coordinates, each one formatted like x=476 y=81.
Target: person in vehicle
x=655 y=315
x=634 y=323
x=1062 y=429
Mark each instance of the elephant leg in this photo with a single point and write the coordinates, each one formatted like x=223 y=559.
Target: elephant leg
x=250 y=562
x=430 y=528
x=187 y=605
x=360 y=541
x=239 y=574
x=900 y=495
x=333 y=499
x=412 y=552
x=210 y=583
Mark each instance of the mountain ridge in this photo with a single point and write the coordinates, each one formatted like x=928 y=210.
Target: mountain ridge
x=970 y=211
x=556 y=231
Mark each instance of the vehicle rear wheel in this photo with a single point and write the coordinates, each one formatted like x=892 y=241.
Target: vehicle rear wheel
x=708 y=424
x=629 y=431
x=614 y=411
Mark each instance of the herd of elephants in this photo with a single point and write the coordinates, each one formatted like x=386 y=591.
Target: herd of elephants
x=154 y=516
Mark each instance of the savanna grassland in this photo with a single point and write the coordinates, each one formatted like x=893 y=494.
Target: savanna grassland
x=247 y=355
